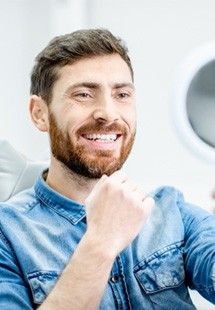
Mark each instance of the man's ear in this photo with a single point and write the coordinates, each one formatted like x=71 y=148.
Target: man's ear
x=39 y=112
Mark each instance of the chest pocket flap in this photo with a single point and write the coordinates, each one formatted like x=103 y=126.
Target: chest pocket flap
x=41 y=283
x=164 y=269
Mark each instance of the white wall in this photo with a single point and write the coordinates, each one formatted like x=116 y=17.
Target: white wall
x=159 y=33
x=24 y=30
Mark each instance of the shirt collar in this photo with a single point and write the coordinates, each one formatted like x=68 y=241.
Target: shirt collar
x=68 y=208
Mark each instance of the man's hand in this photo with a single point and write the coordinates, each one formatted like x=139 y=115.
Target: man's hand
x=116 y=210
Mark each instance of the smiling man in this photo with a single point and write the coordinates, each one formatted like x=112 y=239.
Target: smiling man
x=86 y=236
x=98 y=115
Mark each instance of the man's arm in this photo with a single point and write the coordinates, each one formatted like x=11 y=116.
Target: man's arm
x=116 y=210
x=199 y=249
x=14 y=294
x=83 y=281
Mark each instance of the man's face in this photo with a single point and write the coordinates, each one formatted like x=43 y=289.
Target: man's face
x=92 y=116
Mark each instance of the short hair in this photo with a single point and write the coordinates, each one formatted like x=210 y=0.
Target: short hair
x=69 y=48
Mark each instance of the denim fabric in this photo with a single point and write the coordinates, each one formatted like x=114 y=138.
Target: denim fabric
x=40 y=229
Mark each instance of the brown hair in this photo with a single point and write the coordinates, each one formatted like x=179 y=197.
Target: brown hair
x=67 y=49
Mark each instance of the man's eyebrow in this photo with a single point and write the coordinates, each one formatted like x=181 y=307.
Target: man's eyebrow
x=84 y=84
x=94 y=85
x=121 y=85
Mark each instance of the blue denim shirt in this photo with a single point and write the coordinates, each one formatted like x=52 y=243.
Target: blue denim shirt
x=40 y=229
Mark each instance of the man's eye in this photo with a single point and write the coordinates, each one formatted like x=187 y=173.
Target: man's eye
x=123 y=95
x=83 y=95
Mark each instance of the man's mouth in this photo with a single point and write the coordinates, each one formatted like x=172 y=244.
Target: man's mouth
x=102 y=138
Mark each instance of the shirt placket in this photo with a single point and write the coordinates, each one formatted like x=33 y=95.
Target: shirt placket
x=118 y=285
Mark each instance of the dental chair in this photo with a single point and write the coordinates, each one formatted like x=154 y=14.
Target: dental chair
x=16 y=172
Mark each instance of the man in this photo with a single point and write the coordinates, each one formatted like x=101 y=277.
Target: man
x=85 y=236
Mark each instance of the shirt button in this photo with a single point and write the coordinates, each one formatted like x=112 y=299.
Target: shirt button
x=115 y=278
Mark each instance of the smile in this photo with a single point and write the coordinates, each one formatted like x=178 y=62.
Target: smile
x=103 y=138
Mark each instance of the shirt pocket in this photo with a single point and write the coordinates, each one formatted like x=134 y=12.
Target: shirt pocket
x=41 y=283
x=162 y=270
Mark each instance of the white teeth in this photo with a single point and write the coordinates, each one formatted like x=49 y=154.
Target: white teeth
x=101 y=137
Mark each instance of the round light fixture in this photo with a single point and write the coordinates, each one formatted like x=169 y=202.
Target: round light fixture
x=193 y=102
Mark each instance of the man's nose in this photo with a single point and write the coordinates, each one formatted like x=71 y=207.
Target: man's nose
x=106 y=111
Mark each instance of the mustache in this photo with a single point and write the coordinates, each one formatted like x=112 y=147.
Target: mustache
x=102 y=128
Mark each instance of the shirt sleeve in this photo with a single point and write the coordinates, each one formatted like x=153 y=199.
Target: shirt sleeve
x=14 y=293
x=199 y=252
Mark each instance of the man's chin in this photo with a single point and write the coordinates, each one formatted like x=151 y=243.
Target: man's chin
x=106 y=166
x=93 y=169
x=97 y=173
x=97 y=155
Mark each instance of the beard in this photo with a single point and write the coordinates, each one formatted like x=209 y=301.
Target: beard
x=80 y=159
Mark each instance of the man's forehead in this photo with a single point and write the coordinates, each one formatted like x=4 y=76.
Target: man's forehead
x=95 y=71
x=109 y=60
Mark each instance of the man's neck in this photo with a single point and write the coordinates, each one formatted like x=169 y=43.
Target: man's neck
x=68 y=183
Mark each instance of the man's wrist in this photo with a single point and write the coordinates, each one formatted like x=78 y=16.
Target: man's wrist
x=92 y=244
